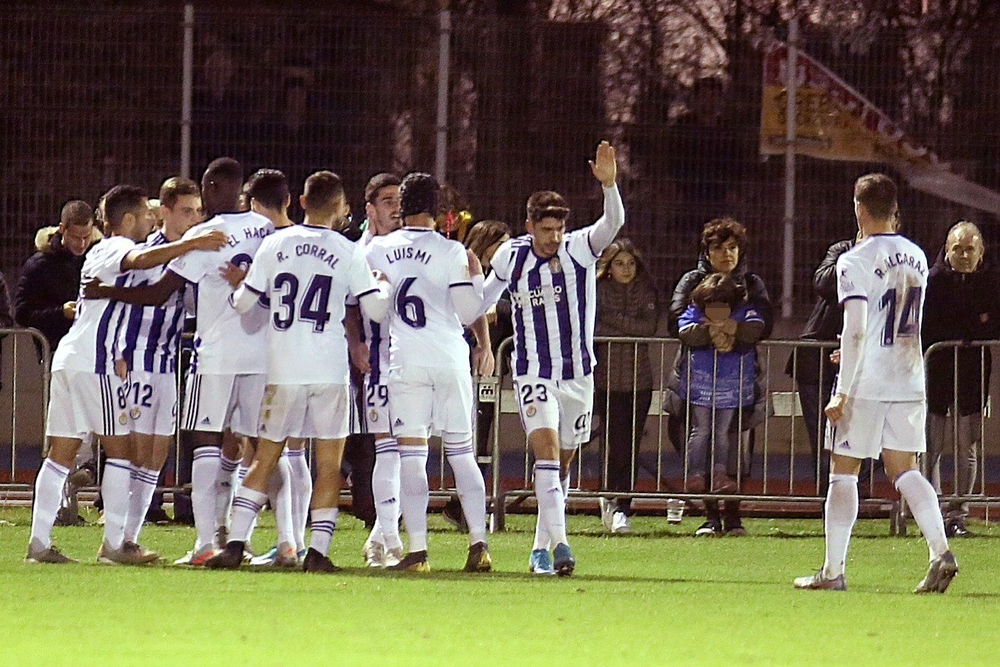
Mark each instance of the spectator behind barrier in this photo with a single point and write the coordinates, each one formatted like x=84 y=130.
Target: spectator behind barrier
x=623 y=382
x=811 y=367
x=6 y=319
x=45 y=297
x=962 y=304
x=722 y=242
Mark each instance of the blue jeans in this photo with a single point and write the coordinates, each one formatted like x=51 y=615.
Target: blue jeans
x=707 y=431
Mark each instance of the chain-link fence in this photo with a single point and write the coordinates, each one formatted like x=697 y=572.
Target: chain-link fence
x=91 y=94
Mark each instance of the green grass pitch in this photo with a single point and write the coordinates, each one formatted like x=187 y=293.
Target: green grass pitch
x=655 y=597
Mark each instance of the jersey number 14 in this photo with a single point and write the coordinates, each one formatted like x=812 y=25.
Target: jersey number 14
x=909 y=315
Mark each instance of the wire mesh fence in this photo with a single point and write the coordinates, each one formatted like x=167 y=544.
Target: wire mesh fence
x=91 y=95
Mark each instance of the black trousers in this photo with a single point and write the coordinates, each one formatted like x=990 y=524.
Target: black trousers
x=359 y=455
x=624 y=416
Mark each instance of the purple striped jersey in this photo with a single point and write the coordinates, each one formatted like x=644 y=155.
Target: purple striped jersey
x=374 y=334
x=91 y=342
x=150 y=338
x=553 y=305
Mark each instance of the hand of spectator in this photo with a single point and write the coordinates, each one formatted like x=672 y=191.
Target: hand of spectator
x=360 y=357
x=728 y=326
x=723 y=342
x=835 y=408
x=232 y=274
x=208 y=240
x=604 y=165
x=835 y=357
x=483 y=361
x=69 y=310
x=94 y=289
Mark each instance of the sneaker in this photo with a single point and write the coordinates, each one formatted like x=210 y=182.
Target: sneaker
x=452 y=513
x=709 y=529
x=69 y=516
x=564 y=561
x=735 y=529
x=394 y=556
x=82 y=476
x=39 y=554
x=620 y=524
x=197 y=557
x=479 y=558
x=317 y=562
x=819 y=582
x=722 y=483
x=158 y=516
x=607 y=512
x=142 y=553
x=374 y=554
x=127 y=554
x=282 y=555
x=942 y=570
x=540 y=562
x=956 y=528
x=229 y=558
x=221 y=537
x=415 y=561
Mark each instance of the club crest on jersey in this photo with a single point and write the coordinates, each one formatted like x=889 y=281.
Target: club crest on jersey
x=373 y=417
x=123 y=419
x=531 y=411
x=135 y=413
x=555 y=266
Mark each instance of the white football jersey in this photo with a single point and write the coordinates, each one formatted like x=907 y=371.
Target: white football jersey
x=422 y=266
x=150 y=338
x=888 y=272
x=306 y=274
x=553 y=305
x=90 y=345
x=225 y=342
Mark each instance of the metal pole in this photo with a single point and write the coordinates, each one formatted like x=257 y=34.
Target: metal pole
x=186 y=90
x=444 y=61
x=788 y=254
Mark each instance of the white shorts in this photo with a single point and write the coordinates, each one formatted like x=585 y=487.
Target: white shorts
x=376 y=407
x=81 y=403
x=214 y=403
x=868 y=427
x=152 y=402
x=565 y=406
x=305 y=411
x=423 y=401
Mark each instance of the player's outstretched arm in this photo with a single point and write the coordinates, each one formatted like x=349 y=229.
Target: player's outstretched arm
x=147 y=258
x=605 y=169
x=154 y=294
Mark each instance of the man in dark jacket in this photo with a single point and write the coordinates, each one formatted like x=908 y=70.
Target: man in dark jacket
x=811 y=367
x=962 y=304
x=46 y=292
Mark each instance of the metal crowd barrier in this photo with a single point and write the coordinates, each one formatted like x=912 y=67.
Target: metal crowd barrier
x=776 y=465
x=25 y=360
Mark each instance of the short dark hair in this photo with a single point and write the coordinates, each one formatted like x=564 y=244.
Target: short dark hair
x=419 y=193
x=547 y=204
x=176 y=187
x=225 y=169
x=377 y=182
x=717 y=288
x=321 y=191
x=120 y=200
x=76 y=213
x=720 y=230
x=878 y=194
x=269 y=187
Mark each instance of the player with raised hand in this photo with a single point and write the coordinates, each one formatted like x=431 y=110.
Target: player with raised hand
x=369 y=348
x=551 y=275
x=305 y=275
x=437 y=288
x=879 y=404
x=88 y=394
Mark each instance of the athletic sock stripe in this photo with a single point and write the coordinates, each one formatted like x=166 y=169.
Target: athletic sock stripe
x=457 y=451
x=109 y=462
x=297 y=452
x=205 y=452
x=555 y=468
x=246 y=503
x=387 y=449
x=147 y=477
x=56 y=468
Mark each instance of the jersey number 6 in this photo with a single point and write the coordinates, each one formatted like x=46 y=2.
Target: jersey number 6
x=410 y=307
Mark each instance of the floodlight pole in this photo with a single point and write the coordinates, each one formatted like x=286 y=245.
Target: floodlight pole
x=186 y=90
x=788 y=248
x=441 y=125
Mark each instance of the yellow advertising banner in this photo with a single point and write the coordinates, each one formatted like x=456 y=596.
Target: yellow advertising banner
x=833 y=121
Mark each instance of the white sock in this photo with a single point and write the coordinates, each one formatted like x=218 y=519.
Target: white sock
x=385 y=489
x=302 y=486
x=246 y=507
x=923 y=502
x=324 y=522
x=227 y=485
x=541 y=535
x=142 y=483
x=564 y=483
x=204 y=488
x=551 y=502
x=48 y=492
x=414 y=494
x=470 y=485
x=115 y=491
x=279 y=491
x=841 y=514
